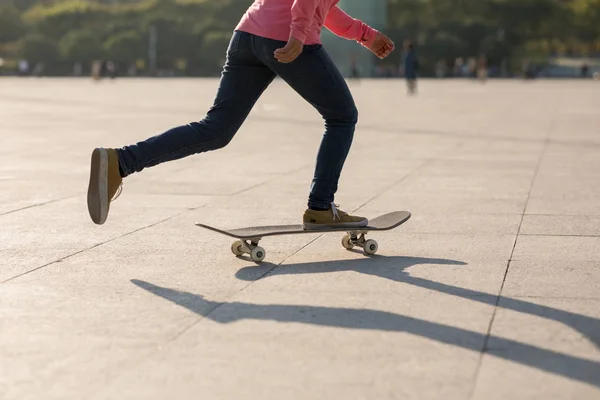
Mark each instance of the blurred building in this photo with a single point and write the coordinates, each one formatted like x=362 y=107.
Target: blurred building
x=373 y=13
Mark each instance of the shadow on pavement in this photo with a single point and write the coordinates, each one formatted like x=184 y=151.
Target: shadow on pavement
x=392 y=268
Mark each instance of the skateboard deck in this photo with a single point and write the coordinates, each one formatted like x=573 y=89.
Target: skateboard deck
x=250 y=236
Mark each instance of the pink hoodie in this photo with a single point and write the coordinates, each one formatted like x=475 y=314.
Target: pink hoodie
x=303 y=20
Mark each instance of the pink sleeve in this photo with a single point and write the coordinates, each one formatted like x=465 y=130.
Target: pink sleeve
x=343 y=25
x=303 y=12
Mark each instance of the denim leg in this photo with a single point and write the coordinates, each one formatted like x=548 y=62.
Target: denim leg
x=243 y=80
x=317 y=79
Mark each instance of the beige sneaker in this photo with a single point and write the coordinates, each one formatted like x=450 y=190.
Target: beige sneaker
x=105 y=183
x=332 y=218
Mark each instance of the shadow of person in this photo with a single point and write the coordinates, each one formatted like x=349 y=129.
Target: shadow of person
x=576 y=368
x=394 y=268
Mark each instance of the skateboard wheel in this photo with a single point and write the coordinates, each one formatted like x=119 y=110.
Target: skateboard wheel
x=371 y=247
x=347 y=243
x=258 y=254
x=236 y=248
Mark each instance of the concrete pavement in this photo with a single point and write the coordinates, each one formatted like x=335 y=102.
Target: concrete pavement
x=490 y=291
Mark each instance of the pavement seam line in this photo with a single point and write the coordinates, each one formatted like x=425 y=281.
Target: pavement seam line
x=37 y=205
x=409 y=174
x=269 y=180
x=557 y=235
x=563 y=215
x=205 y=316
x=94 y=246
x=557 y=297
x=201 y=318
x=485 y=346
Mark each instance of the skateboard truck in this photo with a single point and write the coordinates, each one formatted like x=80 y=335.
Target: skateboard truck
x=358 y=239
x=251 y=247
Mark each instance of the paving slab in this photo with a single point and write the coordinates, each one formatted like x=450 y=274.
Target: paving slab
x=570 y=249
x=568 y=326
x=563 y=225
x=572 y=207
x=547 y=277
x=566 y=366
x=524 y=382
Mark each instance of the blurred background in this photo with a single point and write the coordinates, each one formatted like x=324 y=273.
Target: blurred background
x=525 y=38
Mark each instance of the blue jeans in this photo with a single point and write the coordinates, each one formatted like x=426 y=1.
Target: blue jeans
x=248 y=71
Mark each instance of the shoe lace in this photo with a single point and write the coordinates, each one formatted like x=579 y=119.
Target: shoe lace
x=118 y=192
x=337 y=213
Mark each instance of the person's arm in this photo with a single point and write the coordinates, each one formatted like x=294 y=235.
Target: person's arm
x=345 y=26
x=303 y=13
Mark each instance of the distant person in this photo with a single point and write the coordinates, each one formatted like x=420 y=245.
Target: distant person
x=472 y=67
x=528 y=70
x=96 y=70
x=111 y=70
x=23 y=68
x=482 y=68
x=274 y=38
x=103 y=68
x=584 y=70
x=77 y=69
x=410 y=65
x=38 y=70
x=132 y=70
x=458 y=67
x=354 y=69
x=440 y=69
x=525 y=69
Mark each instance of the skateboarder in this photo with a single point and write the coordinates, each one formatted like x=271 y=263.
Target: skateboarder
x=273 y=38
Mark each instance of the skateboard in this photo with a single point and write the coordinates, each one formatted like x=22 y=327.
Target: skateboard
x=248 y=238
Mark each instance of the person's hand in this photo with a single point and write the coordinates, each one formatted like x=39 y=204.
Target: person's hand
x=382 y=46
x=290 y=52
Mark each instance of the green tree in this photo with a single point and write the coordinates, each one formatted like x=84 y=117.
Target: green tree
x=124 y=47
x=81 y=46
x=38 y=49
x=215 y=44
x=11 y=26
x=21 y=4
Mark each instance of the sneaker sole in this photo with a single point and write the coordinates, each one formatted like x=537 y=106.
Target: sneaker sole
x=320 y=227
x=98 y=188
